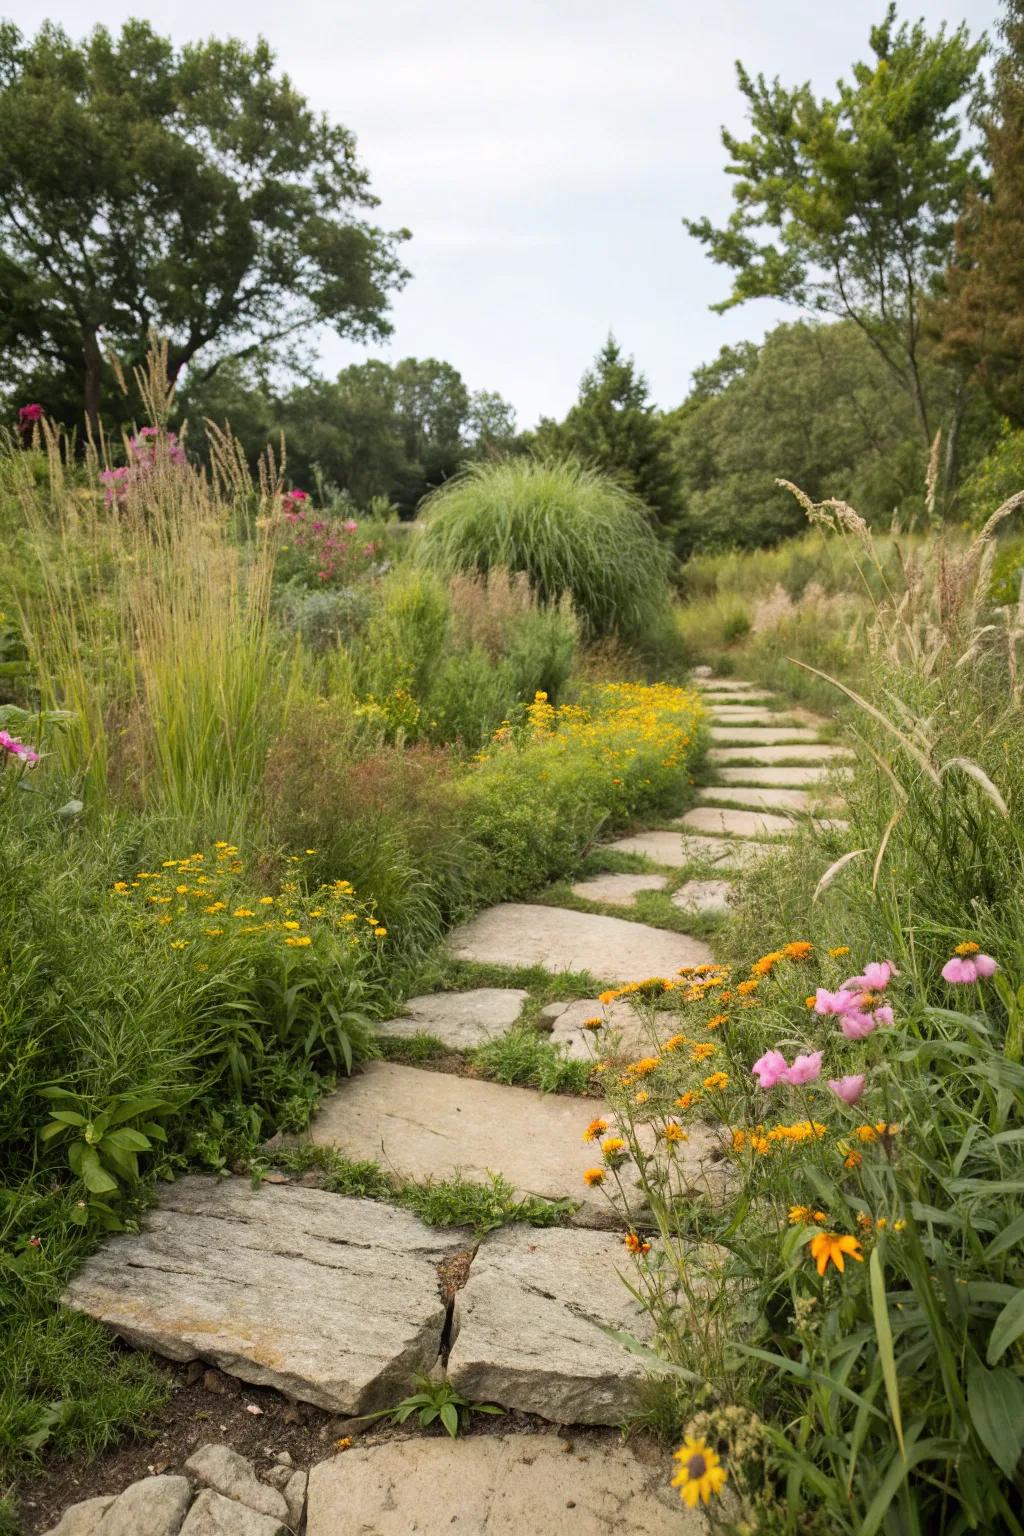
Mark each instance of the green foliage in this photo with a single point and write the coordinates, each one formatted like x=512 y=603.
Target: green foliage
x=857 y=194
x=240 y=208
x=572 y=531
x=995 y=478
x=436 y=1401
x=615 y=428
x=481 y=1206
x=523 y=1056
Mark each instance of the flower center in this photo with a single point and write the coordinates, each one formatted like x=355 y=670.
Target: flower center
x=696 y=1466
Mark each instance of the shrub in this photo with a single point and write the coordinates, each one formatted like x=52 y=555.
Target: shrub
x=571 y=530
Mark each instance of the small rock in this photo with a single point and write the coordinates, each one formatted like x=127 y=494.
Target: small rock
x=293 y=1414
x=82 y=1519
x=278 y=1477
x=216 y=1381
x=284 y=1457
x=313 y=1178
x=154 y=1507
x=222 y=1469
x=295 y=1498
x=214 y=1515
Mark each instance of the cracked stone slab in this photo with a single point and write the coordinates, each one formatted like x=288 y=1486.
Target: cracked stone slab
x=708 y=896
x=429 y=1125
x=214 y=1515
x=798 y=752
x=794 y=777
x=756 y=798
x=761 y=735
x=735 y=823
x=326 y=1298
x=497 y=1485
x=723 y=684
x=611 y=948
x=460 y=1020
x=726 y=714
x=530 y=1326
x=222 y=1469
x=676 y=850
x=617 y=890
x=82 y=1519
x=154 y=1506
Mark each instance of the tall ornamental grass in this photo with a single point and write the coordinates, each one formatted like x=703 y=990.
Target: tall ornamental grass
x=572 y=531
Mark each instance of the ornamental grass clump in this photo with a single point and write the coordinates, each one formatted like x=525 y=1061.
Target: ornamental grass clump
x=573 y=531
x=859 y=1283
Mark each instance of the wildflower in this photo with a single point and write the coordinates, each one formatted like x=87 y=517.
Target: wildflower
x=809 y=1002
x=215 y=906
x=700 y=1472
x=856 y=1025
x=852 y=1160
x=674 y=1132
x=641 y=1097
x=687 y=1100
x=266 y=901
x=595 y=1130
x=593 y=1177
x=674 y=1042
x=593 y=1023
x=716 y=1081
x=800 y=950
x=828 y=1248
x=213 y=933
x=636 y=1245
x=179 y=943
x=703 y=1050
x=717 y=1021
x=18 y=749
x=746 y=987
x=769 y=1068
x=612 y=1148
x=607 y=997
x=849 y=1089
x=864 y=1221
x=298 y=941
x=35 y=1242
x=876 y=977
x=766 y=964
x=805 y=1069
x=899 y=1226
x=380 y=933
x=243 y=912
x=840 y=949
x=27 y=414
x=798 y=1214
x=291 y=924
x=840 y=1002
x=962 y=969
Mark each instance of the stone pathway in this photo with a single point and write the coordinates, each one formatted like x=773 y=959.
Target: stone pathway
x=341 y=1302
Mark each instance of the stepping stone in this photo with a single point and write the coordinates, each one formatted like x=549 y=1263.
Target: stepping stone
x=706 y=818
x=619 y=890
x=761 y=735
x=428 y=1125
x=497 y=1485
x=623 y=1027
x=723 y=684
x=726 y=715
x=460 y=1020
x=736 y=699
x=755 y=798
x=327 y=1299
x=676 y=851
x=529 y=1326
x=611 y=948
x=781 y=778
x=820 y=752
x=707 y=896
x=728 y=852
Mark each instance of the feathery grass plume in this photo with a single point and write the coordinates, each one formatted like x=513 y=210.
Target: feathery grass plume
x=570 y=529
x=931 y=478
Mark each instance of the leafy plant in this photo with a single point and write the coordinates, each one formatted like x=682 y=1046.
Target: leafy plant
x=436 y=1400
x=104 y=1140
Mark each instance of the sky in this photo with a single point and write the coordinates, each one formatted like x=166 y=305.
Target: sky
x=543 y=153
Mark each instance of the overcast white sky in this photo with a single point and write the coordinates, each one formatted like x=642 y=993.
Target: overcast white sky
x=543 y=153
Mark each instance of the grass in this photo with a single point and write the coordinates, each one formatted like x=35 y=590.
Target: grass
x=524 y=1057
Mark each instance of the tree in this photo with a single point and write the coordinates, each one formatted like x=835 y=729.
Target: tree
x=189 y=191
x=615 y=427
x=860 y=193
x=982 y=318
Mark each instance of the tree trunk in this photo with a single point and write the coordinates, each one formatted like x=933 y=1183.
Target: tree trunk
x=93 y=359
x=949 y=466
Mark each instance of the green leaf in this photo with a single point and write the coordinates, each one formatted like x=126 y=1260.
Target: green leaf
x=1008 y=1326
x=95 y=1179
x=653 y=1361
x=126 y=1140
x=1008 y=1238
x=67 y=1117
x=886 y=1355
x=996 y=1403
x=450 y=1419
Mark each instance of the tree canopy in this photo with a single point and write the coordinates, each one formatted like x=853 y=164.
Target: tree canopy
x=858 y=193
x=192 y=191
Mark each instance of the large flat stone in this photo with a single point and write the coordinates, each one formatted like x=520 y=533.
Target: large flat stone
x=735 y=823
x=617 y=890
x=428 y=1125
x=707 y=896
x=82 y=1519
x=530 y=1320
x=610 y=948
x=214 y=1515
x=748 y=714
x=624 y=1030
x=154 y=1506
x=761 y=735
x=460 y=1020
x=676 y=850
x=723 y=684
x=797 y=752
x=497 y=1485
x=756 y=799
x=727 y=852
x=793 y=777
x=327 y=1299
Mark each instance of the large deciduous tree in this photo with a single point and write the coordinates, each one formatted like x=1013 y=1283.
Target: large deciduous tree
x=190 y=191
x=983 y=315
x=858 y=194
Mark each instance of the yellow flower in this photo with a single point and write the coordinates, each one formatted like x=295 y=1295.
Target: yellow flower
x=119 y=886
x=635 y=1244
x=852 y=1160
x=717 y=1021
x=311 y=850
x=179 y=943
x=593 y=1023
x=215 y=906
x=298 y=941
x=266 y=901
x=967 y=949
x=840 y=949
x=213 y=933
x=687 y=1100
x=798 y=950
x=243 y=912
x=595 y=1130
x=702 y=1051
x=641 y=1097
x=700 y=1472
x=594 y=1176
x=674 y=1042
x=612 y=1147
x=716 y=1081
x=182 y=890
x=607 y=997
x=746 y=987
x=348 y=917
x=380 y=933
x=674 y=1132
x=292 y=924
x=828 y=1248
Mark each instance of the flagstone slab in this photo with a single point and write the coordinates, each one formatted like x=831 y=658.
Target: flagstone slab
x=676 y=850
x=736 y=697
x=797 y=752
x=761 y=735
x=497 y=1485
x=529 y=1326
x=736 y=823
x=707 y=896
x=755 y=798
x=622 y=1031
x=461 y=1020
x=327 y=1299
x=723 y=684
x=611 y=948
x=617 y=890
x=793 y=777
x=724 y=714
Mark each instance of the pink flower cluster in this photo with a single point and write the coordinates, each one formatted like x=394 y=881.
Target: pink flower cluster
x=773 y=1068
x=144 y=451
x=336 y=555
x=961 y=970
x=856 y=1004
x=18 y=749
x=28 y=415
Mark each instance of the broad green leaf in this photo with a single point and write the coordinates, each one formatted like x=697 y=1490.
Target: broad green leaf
x=126 y=1140
x=93 y=1175
x=450 y=1419
x=886 y=1355
x=996 y=1403
x=1008 y=1327
x=1008 y=1238
x=67 y=1117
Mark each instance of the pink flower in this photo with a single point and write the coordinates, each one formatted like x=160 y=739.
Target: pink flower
x=876 y=977
x=857 y=1025
x=18 y=749
x=884 y=1015
x=849 y=1089
x=296 y=496
x=834 y=1002
x=963 y=969
x=28 y=414
x=805 y=1069
x=350 y=525
x=770 y=1069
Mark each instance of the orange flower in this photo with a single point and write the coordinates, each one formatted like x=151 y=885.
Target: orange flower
x=687 y=1100
x=716 y=1081
x=828 y=1248
x=717 y=1021
x=595 y=1130
x=594 y=1176
x=702 y=1051
x=746 y=987
x=852 y=1160
x=636 y=1245
x=673 y=1132
x=798 y=950
x=674 y=1042
x=612 y=1147
x=840 y=949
